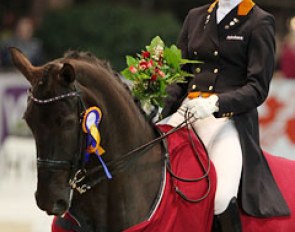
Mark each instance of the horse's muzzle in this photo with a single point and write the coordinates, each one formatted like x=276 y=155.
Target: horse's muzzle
x=57 y=208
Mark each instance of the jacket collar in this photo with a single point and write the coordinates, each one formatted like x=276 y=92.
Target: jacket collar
x=243 y=9
x=237 y=16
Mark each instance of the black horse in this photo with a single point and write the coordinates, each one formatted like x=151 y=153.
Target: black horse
x=60 y=90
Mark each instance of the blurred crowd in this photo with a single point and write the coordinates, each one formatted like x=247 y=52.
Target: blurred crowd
x=286 y=61
x=21 y=35
x=17 y=148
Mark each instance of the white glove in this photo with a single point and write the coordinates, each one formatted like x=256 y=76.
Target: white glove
x=202 y=107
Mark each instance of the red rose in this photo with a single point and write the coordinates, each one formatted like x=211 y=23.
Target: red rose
x=160 y=63
x=143 y=65
x=159 y=72
x=132 y=69
x=154 y=77
x=145 y=54
x=150 y=64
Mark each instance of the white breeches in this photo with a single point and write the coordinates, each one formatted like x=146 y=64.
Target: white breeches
x=221 y=140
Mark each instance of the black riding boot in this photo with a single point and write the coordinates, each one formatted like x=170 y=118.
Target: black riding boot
x=229 y=220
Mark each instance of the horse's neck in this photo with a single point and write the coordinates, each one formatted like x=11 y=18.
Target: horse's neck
x=128 y=197
x=123 y=127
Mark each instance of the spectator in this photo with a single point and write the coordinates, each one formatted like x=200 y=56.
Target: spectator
x=24 y=40
x=287 y=60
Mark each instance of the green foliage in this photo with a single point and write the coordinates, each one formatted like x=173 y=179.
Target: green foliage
x=153 y=70
x=108 y=31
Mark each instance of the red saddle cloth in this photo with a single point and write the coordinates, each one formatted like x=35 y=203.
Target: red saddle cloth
x=283 y=171
x=173 y=213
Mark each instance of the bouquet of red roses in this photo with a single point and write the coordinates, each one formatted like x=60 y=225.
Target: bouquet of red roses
x=151 y=71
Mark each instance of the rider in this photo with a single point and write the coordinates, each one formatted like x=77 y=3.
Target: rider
x=236 y=42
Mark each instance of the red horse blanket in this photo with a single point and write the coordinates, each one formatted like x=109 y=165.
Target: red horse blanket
x=283 y=171
x=174 y=214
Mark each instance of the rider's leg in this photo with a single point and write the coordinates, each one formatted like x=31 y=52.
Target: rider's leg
x=222 y=142
x=221 y=139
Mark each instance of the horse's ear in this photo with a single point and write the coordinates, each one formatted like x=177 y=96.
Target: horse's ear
x=67 y=73
x=22 y=63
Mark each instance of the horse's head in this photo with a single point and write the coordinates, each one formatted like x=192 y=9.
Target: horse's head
x=53 y=114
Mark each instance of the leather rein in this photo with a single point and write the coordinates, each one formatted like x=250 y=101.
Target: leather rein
x=79 y=174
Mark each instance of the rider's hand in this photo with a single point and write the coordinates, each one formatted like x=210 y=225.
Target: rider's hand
x=202 y=107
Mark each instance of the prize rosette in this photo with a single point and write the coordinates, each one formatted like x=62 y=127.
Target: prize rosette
x=90 y=125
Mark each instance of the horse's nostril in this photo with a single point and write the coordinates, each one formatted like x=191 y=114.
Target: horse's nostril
x=60 y=207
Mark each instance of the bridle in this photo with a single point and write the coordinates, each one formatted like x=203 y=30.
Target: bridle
x=73 y=166
x=78 y=171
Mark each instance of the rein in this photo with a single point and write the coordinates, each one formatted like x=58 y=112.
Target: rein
x=79 y=173
x=82 y=174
